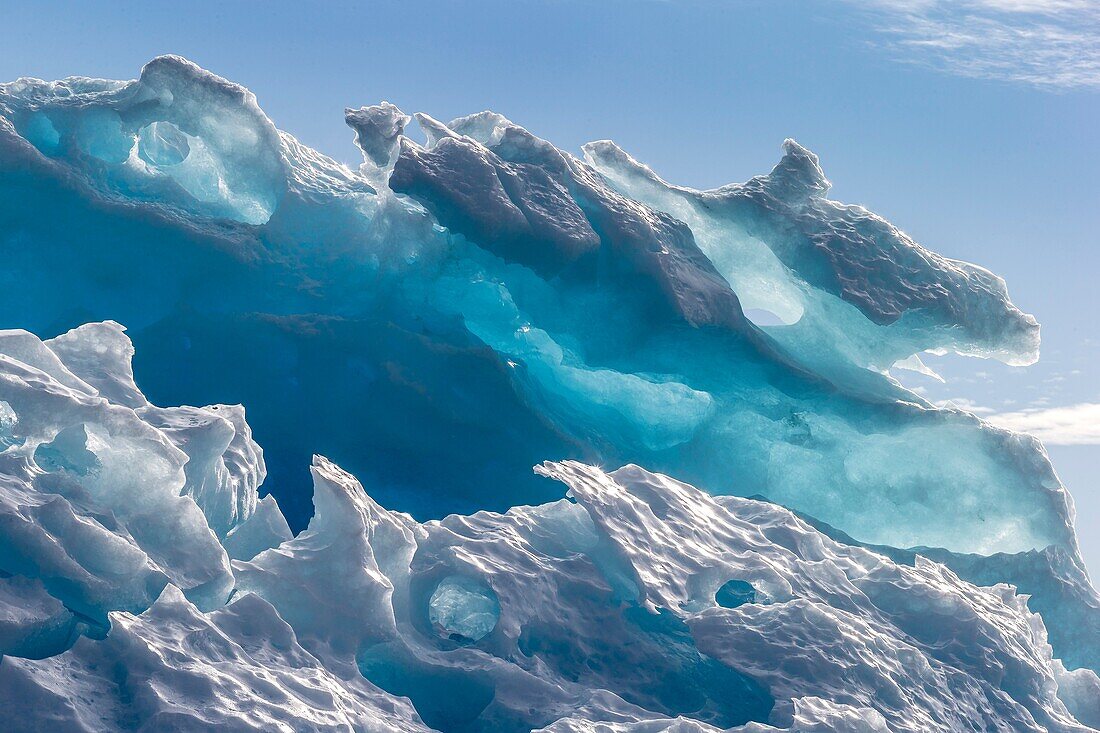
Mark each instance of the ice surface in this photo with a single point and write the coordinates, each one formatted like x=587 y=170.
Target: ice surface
x=438 y=321
x=224 y=468
x=264 y=529
x=33 y=623
x=236 y=669
x=847 y=640
x=840 y=278
x=377 y=130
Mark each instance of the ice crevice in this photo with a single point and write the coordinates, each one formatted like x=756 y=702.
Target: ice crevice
x=436 y=322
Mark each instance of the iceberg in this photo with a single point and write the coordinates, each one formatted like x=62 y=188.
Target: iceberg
x=834 y=552
x=465 y=309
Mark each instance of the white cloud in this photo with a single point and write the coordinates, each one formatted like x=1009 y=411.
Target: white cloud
x=1069 y=425
x=962 y=403
x=1046 y=43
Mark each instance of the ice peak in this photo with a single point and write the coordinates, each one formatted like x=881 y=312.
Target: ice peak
x=377 y=129
x=798 y=175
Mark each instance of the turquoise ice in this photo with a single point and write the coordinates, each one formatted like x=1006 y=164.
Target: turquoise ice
x=439 y=320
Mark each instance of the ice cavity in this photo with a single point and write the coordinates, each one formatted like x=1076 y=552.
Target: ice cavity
x=463 y=609
x=734 y=593
x=177 y=135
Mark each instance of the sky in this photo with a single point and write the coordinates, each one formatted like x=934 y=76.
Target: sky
x=970 y=124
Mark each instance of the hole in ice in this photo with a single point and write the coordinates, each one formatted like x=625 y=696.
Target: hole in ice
x=40 y=132
x=447 y=699
x=8 y=418
x=67 y=452
x=463 y=609
x=100 y=134
x=764 y=317
x=414 y=133
x=201 y=171
x=735 y=593
x=163 y=144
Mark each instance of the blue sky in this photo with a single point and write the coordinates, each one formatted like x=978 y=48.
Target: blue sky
x=971 y=124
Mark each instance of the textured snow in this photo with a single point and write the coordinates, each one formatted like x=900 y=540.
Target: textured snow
x=238 y=668
x=607 y=620
x=438 y=321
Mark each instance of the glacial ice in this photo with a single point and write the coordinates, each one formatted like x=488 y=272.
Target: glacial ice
x=263 y=529
x=438 y=321
x=461 y=311
x=93 y=502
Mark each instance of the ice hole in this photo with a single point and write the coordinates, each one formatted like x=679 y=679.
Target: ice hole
x=464 y=608
x=162 y=144
x=8 y=419
x=39 y=130
x=764 y=317
x=67 y=452
x=735 y=593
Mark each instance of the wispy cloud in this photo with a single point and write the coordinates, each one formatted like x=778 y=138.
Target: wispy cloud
x=1069 y=425
x=1046 y=43
x=962 y=403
